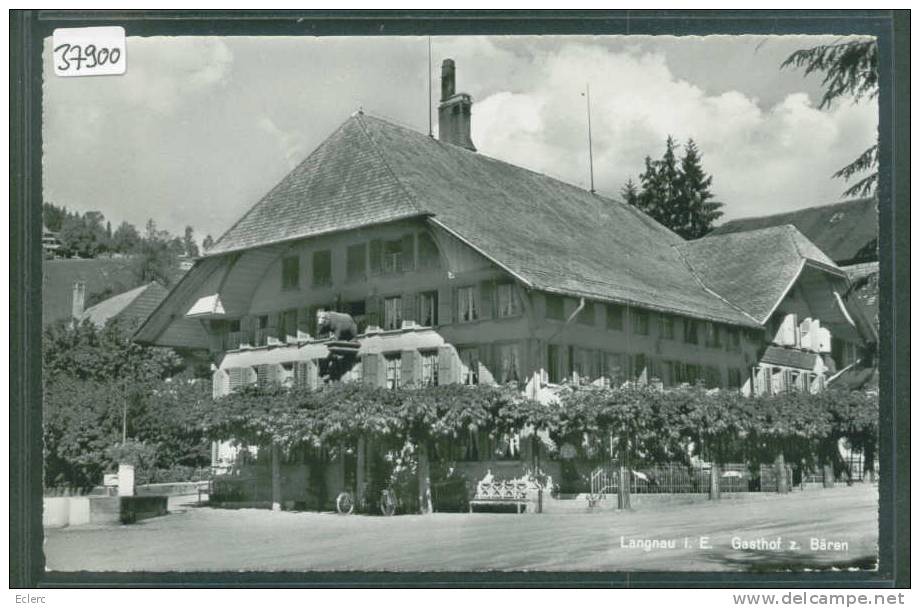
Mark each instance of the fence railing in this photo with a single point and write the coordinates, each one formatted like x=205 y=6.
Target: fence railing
x=678 y=478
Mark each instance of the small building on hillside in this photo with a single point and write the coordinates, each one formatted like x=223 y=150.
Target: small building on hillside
x=132 y=306
x=460 y=268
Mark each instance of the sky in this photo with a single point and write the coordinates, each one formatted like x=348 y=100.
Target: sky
x=198 y=129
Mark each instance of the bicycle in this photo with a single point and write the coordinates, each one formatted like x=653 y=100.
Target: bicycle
x=387 y=503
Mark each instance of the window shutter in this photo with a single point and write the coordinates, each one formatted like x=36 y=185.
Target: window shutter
x=306 y=375
x=375 y=250
x=486 y=299
x=407 y=260
x=411 y=372
x=445 y=306
x=448 y=365
x=410 y=303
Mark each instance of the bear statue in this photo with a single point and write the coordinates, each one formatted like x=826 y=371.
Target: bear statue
x=339 y=324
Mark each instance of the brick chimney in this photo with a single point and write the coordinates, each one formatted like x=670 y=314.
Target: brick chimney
x=79 y=299
x=454 y=110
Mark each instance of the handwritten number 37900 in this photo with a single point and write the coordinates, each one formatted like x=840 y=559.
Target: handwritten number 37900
x=88 y=57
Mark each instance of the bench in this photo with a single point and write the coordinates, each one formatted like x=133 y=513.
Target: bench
x=501 y=493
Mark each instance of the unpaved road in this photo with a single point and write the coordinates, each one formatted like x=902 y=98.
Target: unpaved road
x=205 y=539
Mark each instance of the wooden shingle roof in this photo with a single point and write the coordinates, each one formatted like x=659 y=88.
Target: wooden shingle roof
x=754 y=269
x=552 y=235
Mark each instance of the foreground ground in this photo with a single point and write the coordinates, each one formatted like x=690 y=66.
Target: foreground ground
x=199 y=539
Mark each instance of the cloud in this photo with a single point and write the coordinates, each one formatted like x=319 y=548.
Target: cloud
x=762 y=159
x=200 y=128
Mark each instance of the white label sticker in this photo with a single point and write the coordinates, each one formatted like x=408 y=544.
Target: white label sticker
x=89 y=51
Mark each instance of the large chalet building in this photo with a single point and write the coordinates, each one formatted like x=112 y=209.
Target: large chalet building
x=460 y=268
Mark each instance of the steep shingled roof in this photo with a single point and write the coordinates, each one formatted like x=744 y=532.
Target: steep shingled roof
x=552 y=235
x=847 y=232
x=753 y=269
x=136 y=304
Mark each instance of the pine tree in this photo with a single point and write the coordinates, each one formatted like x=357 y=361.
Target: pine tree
x=629 y=193
x=695 y=196
x=676 y=193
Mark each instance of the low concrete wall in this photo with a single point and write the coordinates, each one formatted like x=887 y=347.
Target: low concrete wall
x=180 y=488
x=61 y=511
x=136 y=508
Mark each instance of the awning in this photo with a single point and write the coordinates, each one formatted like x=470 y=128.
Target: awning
x=206 y=308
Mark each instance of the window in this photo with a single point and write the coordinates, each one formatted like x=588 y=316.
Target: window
x=356 y=262
x=734 y=378
x=469 y=365
x=640 y=322
x=427 y=252
x=398 y=255
x=734 y=339
x=509 y=359
x=613 y=368
x=585 y=363
x=322 y=268
x=429 y=367
x=713 y=335
x=586 y=316
x=693 y=373
x=428 y=309
x=615 y=317
x=640 y=368
x=393 y=370
x=392 y=313
x=507 y=302
x=288 y=323
x=555 y=307
x=290 y=272
x=234 y=335
x=712 y=377
x=262 y=331
x=666 y=326
x=555 y=368
x=466 y=304
x=691 y=331
x=392 y=256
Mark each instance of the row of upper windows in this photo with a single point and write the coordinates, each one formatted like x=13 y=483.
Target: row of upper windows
x=410 y=252
x=713 y=335
x=488 y=299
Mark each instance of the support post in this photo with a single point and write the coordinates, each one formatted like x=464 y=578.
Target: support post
x=276 y=477
x=424 y=479
x=828 y=474
x=715 y=474
x=360 y=467
x=623 y=489
x=782 y=484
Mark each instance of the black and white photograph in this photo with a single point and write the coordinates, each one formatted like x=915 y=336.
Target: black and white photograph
x=460 y=303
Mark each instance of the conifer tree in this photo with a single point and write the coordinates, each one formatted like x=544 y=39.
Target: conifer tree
x=676 y=193
x=695 y=196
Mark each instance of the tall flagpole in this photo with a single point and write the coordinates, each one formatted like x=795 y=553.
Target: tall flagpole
x=430 y=126
x=590 y=150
